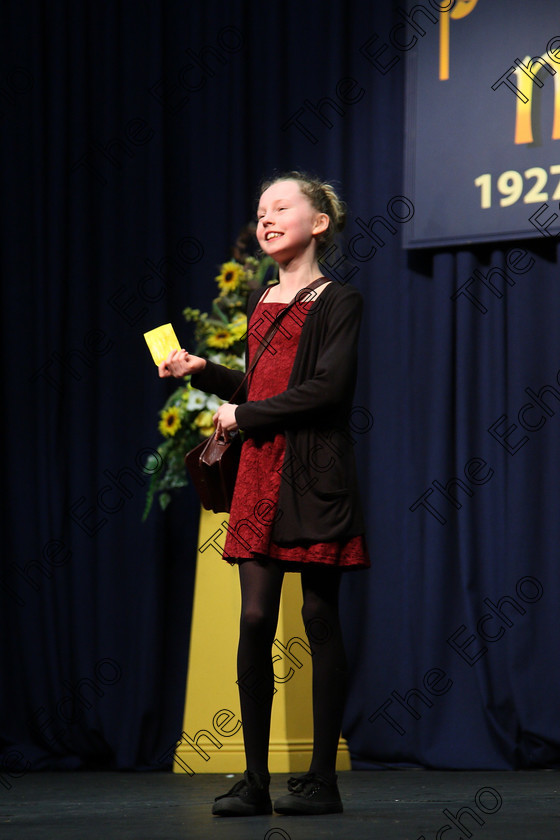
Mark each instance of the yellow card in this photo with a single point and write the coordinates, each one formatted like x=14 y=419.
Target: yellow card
x=161 y=341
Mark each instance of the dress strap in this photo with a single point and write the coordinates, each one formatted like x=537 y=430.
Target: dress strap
x=320 y=281
x=268 y=288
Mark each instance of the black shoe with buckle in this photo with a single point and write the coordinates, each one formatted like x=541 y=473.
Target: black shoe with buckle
x=247 y=798
x=310 y=794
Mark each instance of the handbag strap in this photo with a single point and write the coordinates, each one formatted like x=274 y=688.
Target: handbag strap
x=274 y=327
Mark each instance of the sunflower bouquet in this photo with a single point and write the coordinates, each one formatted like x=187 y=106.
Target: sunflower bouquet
x=186 y=417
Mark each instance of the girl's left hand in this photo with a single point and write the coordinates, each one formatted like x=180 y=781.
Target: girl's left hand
x=224 y=420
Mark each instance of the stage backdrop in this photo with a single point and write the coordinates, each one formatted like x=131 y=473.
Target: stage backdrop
x=482 y=123
x=133 y=138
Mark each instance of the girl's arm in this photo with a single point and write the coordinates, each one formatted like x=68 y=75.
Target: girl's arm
x=219 y=380
x=208 y=376
x=205 y=375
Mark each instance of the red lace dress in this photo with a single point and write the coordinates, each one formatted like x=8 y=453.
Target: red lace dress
x=257 y=488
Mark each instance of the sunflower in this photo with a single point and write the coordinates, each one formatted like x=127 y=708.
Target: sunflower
x=221 y=337
x=170 y=421
x=204 y=424
x=230 y=277
x=238 y=326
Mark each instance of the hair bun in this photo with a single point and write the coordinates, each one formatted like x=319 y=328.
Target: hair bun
x=338 y=215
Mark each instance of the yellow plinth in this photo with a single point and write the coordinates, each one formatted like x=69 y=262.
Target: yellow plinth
x=212 y=738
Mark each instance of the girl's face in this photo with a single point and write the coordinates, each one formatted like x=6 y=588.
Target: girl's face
x=287 y=223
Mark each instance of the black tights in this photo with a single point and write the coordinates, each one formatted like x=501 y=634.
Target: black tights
x=261 y=585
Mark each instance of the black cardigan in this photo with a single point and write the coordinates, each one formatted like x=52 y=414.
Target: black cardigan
x=319 y=500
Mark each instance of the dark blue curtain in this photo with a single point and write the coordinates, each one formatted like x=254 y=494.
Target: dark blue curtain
x=133 y=137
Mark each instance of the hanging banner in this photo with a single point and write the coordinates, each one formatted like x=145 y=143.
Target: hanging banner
x=482 y=148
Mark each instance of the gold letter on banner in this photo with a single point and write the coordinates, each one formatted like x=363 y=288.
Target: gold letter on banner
x=461 y=9
x=526 y=87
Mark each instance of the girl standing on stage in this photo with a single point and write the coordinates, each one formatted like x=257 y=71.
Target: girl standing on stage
x=295 y=505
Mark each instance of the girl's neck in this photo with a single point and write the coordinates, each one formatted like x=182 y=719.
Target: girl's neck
x=294 y=278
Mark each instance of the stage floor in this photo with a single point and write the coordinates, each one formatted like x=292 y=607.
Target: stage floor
x=388 y=805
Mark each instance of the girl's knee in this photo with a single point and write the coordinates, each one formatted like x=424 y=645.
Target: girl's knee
x=255 y=621
x=319 y=629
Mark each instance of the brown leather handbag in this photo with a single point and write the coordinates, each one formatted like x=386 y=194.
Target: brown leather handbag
x=213 y=466
x=214 y=462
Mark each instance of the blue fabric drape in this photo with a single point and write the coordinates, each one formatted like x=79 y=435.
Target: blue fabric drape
x=133 y=138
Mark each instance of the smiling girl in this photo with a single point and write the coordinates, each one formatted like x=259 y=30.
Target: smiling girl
x=296 y=506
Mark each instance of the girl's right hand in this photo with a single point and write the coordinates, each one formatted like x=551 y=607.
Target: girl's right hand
x=180 y=363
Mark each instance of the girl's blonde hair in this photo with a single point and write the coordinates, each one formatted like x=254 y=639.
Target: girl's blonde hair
x=322 y=198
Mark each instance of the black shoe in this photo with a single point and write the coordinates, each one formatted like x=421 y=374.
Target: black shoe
x=310 y=794
x=247 y=798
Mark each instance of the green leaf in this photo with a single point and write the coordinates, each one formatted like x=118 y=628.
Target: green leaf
x=216 y=310
x=164 y=500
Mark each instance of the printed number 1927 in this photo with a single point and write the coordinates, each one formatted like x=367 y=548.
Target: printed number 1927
x=510 y=185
